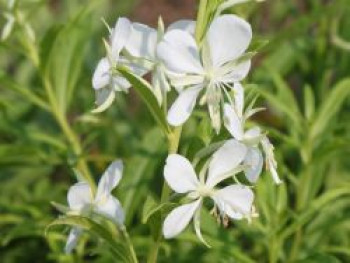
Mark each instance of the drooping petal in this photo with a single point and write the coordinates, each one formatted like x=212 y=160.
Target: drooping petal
x=228 y=37
x=235 y=201
x=179 y=218
x=119 y=37
x=255 y=161
x=179 y=174
x=179 y=53
x=238 y=98
x=109 y=179
x=79 y=196
x=101 y=77
x=72 y=239
x=197 y=227
x=232 y=122
x=104 y=99
x=111 y=208
x=270 y=159
x=225 y=161
x=185 y=24
x=183 y=106
x=142 y=41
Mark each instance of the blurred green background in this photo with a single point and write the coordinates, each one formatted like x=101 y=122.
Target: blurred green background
x=302 y=77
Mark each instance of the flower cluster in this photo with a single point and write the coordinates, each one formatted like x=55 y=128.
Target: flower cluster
x=210 y=71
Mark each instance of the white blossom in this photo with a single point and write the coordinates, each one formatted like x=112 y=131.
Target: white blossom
x=234 y=120
x=214 y=66
x=106 y=80
x=82 y=202
x=142 y=44
x=234 y=201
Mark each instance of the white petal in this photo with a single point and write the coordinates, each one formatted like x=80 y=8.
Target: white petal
x=197 y=227
x=239 y=98
x=179 y=174
x=232 y=72
x=110 y=207
x=119 y=36
x=228 y=37
x=179 y=218
x=142 y=41
x=72 y=239
x=183 y=106
x=224 y=161
x=79 y=196
x=232 y=122
x=104 y=99
x=270 y=159
x=186 y=25
x=179 y=53
x=235 y=201
x=253 y=136
x=255 y=161
x=101 y=77
x=109 y=179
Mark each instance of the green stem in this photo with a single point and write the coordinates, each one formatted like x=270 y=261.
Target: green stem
x=129 y=244
x=173 y=145
x=201 y=17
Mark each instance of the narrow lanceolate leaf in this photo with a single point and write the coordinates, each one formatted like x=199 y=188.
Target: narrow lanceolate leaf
x=330 y=107
x=144 y=90
x=118 y=249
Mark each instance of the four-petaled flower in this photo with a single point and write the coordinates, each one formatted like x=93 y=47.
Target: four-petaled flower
x=214 y=66
x=234 y=201
x=82 y=202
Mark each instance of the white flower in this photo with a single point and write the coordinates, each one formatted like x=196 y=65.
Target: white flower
x=234 y=120
x=235 y=201
x=81 y=201
x=106 y=80
x=214 y=66
x=143 y=42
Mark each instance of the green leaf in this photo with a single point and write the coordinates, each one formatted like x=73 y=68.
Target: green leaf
x=329 y=108
x=151 y=207
x=144 y=90
x=309 y=102
x=89 y=225
x=62 y=55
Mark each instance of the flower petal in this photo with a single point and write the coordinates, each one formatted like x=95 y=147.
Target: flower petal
x=255 y=161
x=232 y=122
x=225 y=161
x=104 y=99
x=183 y=106
x=197 y=227
x=142 y=41
x=232 y=72
x=179 y=174
x=179 y=218
x=109 y=179
x=111 y=208
x=185 y=25
x=79 y=196
x=253 y=136
x=238 y=98
x=270 y=159
x=235 y=201
x=101 y=77
x=119 y=36
x=72 y=239
x=228 y=37
x=179 y=53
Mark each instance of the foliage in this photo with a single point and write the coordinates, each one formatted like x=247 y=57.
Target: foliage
x=49 y=137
